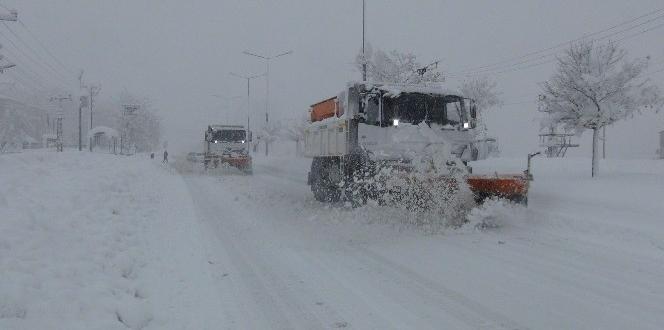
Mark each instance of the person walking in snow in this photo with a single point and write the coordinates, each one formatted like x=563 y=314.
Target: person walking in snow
x=165 y=156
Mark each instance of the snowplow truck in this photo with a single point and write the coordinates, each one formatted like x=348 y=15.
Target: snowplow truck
x=370 y=127
x=227 y=145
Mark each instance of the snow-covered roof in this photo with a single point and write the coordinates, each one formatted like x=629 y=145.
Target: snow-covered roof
x=221 y=127
x=103 y=129
x=394 y=89
x=29 y=139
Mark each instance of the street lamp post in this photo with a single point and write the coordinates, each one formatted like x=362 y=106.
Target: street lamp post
x=248 y=78
x=267 y=84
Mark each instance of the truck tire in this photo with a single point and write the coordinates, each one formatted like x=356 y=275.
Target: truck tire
x=323 y=188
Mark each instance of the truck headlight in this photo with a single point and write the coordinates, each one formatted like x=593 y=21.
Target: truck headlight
x=242 y=141
x=395 y=122
x=466 y=125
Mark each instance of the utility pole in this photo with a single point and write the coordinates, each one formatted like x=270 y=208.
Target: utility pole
x=81 y=105
x=92 y=90
x=59 y=117
x=364 y=59
x=267 y=85
x=10 y=16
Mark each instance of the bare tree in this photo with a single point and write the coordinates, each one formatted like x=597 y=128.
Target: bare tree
x=595 y=85
x=397 y=67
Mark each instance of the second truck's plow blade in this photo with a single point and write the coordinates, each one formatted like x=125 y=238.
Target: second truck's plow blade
x=512 y=187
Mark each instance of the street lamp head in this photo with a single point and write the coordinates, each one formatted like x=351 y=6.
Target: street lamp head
x=257 y=76
x=267 y=57
x=252 y=54
x=246 y=77
x=283 y=54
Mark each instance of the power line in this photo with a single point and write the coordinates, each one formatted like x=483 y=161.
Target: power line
x=25 y=81
x=563 y=43
x=641 y=32
x=23 y=67
x=48 y=65
x=27 y=56
x=498 y=66
x=28 y=72
x=41 y=44
x=516 y=66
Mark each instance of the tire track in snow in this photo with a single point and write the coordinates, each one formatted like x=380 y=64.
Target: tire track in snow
x=453 y=302
x=577 y=279
x=410 y=295
x=472 y=313
x=274 y=297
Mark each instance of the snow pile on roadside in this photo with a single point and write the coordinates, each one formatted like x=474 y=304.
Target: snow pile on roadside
x=95 y=241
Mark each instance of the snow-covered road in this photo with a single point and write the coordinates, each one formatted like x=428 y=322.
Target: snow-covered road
x=128 y=242
x=286 y=261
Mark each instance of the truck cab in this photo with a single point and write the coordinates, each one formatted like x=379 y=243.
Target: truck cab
x=392 y=123
x=227 y=145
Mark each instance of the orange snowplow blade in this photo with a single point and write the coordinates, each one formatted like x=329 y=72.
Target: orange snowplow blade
x=239 y=162
x=512 y=187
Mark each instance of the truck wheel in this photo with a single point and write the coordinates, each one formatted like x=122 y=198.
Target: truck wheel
x=323 y=188
x=520 y=199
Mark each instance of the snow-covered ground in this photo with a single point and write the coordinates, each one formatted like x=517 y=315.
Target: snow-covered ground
x=96 y=241
x=89 y=240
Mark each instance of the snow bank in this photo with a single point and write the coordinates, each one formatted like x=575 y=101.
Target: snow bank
x=95 y=241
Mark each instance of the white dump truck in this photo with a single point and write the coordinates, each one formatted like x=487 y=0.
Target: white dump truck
x=370 y=127
x=227 y=145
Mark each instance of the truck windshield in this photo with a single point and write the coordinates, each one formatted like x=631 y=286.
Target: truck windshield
x=229 y=135
x=415 y=108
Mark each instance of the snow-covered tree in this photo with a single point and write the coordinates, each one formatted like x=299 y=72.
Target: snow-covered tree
x=293 y=130
x=595 y=85
x=143 y=127
x=483 y=91
x=268 y=134
x=396 y=67
x=23 y=116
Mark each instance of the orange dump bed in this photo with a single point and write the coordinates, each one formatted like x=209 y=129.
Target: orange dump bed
x=505 y=186
x=325 y=109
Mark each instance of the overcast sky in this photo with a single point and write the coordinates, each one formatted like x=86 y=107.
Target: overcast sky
x=179 y=53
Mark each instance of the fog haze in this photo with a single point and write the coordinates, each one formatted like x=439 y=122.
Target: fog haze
x=179 y=53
